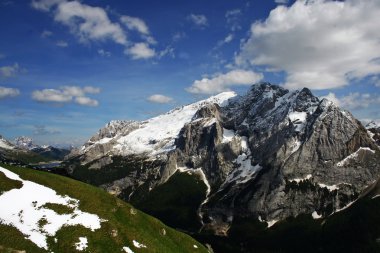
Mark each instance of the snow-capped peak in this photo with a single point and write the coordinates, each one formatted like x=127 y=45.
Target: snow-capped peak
x=5 y=144
x=25 y=142
x=156 y=135
x=372 y=124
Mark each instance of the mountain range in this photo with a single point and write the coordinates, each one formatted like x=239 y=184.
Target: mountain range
x=240 y=172
x=265 y=157
x=24 y=151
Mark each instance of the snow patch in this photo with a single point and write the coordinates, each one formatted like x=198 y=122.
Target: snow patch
x=329 y=187
x=195 y=246
x=376 y=196
x=5 y=144
x=298 y=180
x=127 y=249
x=138 y=245
x=246 y=170
x=228 y=135
x=315 y=215
x=271 y=223
x=23 y=209
x=298 y=119
x=82 y=244
x=353 y=156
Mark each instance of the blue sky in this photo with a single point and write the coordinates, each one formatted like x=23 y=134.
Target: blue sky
x=68 y=67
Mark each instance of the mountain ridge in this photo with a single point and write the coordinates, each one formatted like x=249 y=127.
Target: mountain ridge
x=269 y=154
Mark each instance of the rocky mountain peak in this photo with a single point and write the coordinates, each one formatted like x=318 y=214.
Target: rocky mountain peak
x=271 y=153
x=24 y=142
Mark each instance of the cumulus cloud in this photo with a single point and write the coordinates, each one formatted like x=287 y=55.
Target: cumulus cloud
x=140 y=51
x=89 y=23
x=9 y=71
x=62 y=43
x=354 y=100
x=8 y=92
x=223 y=82
x=66 y=94
x=160 y=99
x=86 y=101
x=198 y=20
x=319 y=44
x=134 y=23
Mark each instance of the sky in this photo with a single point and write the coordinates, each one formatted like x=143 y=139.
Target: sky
x=67 y=67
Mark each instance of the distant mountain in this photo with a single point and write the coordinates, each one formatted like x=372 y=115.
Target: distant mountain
x=374 y=131
x=267 y=156
x=48 y=152
x=42 y=212
x=25 y=142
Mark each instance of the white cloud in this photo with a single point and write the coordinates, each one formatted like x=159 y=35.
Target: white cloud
x=8 y=92
x=354 y=100
x=222 y=82
x=62 y=43
x=319 y=44
x=86 y=101
x=46 y=34
x=167 y=51
x=9 y=71
x=161 y=99
x=233 y=19
x=45 y=5
x=66 y=94
x=89 y=23
x=332 y=97
x=198 y=20
x=140 y=51
x=134 y=23
x=104 y=53
x=51 y=95
x=281 y=1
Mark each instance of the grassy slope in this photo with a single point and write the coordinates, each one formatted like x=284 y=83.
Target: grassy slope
x=129 y=223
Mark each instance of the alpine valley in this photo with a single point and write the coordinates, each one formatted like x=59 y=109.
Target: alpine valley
x=270 y=171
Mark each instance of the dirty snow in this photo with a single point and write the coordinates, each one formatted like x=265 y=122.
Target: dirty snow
x=271 y=223
x=329 y=187
x=127 y=249
x=353 y=156
x=82 y=244
x=298 y=180
x=315 y=215
x=246 y=170
x=157 y=134
x=138 y=245
x=25 y=213
x=228 y=135
x=299 y=119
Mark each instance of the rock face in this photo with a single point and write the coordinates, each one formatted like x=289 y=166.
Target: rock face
x=269 y=154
